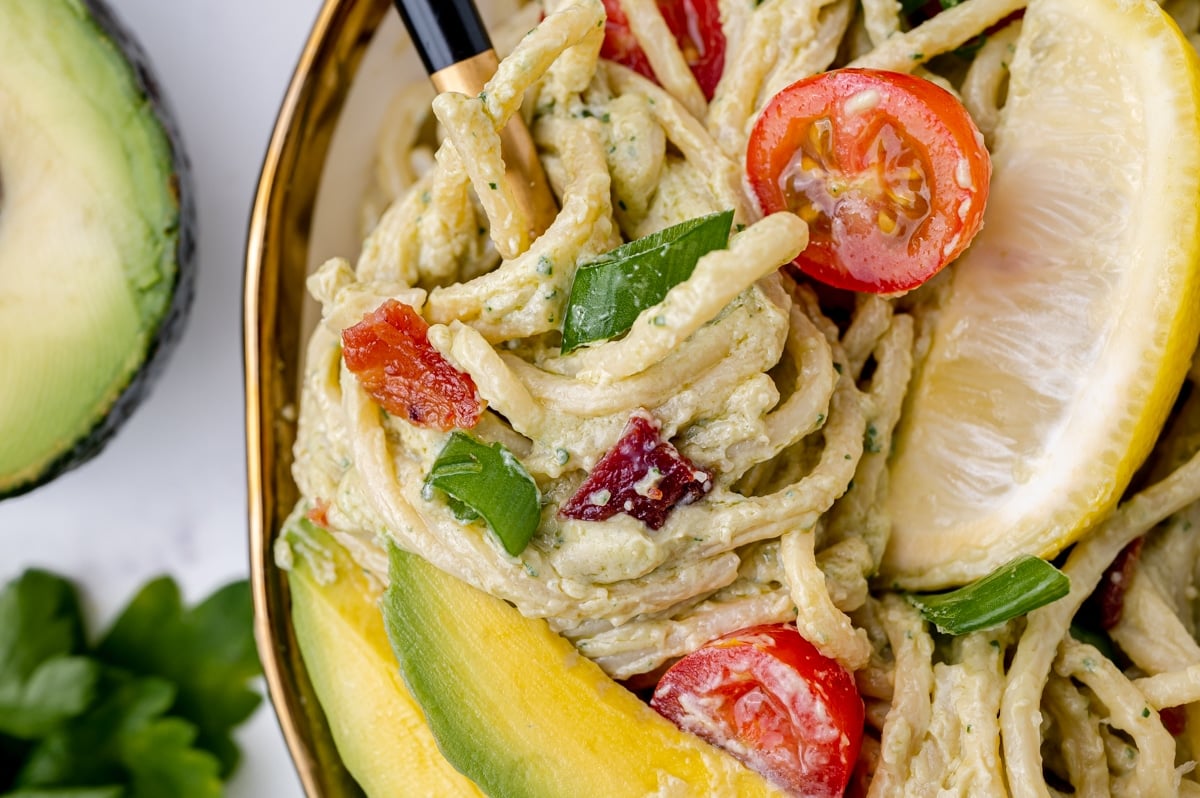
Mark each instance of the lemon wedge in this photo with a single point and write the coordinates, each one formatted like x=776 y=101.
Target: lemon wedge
x=1071 y=320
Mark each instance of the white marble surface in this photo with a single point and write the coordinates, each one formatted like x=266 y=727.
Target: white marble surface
x=168 y=495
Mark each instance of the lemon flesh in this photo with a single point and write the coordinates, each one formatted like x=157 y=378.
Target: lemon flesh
x=1071 y=320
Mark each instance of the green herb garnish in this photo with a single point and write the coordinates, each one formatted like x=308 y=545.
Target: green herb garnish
x=1097 y=640
x=489 y=482
x=1013 y=589
x=608 y=293
x=146 y=713
x=207 y=652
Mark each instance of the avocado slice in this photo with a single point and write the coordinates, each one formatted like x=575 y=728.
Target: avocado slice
x=96 y=234
x=517 y=709
x=378 y=729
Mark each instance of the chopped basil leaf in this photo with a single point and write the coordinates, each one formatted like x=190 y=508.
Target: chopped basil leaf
x=1097 y=640
x=463 y=512
x=1014 y=589
x=489 y=482
x=608 y=293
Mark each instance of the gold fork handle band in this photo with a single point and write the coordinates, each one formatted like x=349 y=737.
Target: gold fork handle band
x=524 y=172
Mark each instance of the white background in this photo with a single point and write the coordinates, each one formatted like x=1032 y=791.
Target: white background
x=168 y=495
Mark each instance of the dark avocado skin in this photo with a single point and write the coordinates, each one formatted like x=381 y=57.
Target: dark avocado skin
x=163 y=341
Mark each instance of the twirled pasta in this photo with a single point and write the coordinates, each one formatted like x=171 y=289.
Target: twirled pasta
x=751 y=378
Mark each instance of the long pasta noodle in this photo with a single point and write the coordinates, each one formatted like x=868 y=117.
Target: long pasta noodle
x=787 y=400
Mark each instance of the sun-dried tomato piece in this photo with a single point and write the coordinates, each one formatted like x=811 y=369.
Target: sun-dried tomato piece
x=319 y=513
x=1110 y=593
x=642 y=476
x=1174 y=720
x=390 y=353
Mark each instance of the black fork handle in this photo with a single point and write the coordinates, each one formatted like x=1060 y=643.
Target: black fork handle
x=457 y=52
x=445 y=32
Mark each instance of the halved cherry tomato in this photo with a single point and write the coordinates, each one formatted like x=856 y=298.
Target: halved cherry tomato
x=696 y=25
x=390 y=354
x=888 y=170
x=769 y=698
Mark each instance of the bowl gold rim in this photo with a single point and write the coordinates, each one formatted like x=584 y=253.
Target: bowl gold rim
x=276 y=262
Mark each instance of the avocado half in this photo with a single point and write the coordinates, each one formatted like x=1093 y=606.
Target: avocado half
x=96 y=234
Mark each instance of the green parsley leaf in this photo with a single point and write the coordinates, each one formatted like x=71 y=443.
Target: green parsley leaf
x=106 y=723
x=608 y=293
x=43 y=681
x=13 y=753
x=208 y=652
x=162 y=760
x=68 y=792
x=491 y=482
x=1016 y=588
x=125 y=739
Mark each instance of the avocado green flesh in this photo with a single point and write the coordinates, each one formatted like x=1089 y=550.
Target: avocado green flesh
x=518 y=710
x=378 y=729
x=89 y=223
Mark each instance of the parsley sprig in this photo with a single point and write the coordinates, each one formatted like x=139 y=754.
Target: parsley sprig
x=146 y=712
